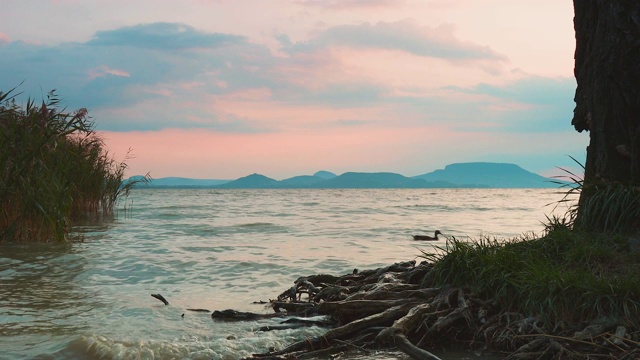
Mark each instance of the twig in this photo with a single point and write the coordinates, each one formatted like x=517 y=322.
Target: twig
x=161 y=298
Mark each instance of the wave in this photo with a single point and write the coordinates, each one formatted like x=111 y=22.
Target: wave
x=234 y=344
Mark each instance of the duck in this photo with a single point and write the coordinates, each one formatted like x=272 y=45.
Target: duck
x=427 y=237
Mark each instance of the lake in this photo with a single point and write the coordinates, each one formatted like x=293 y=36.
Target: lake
x=225 y=249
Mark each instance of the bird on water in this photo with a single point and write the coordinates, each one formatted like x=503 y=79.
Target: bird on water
x=427 y=237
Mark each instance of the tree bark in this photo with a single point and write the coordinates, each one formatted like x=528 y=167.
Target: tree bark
x=607 y=71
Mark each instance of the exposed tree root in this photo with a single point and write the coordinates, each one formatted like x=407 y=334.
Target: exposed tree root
x=386 y=308
x=408 y=348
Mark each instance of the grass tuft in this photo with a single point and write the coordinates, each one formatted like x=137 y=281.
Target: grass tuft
x=610 y=207
x=566 y=276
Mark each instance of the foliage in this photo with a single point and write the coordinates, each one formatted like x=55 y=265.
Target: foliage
x=604 y=206
x=54 y=169
x=567 y=276
x=573 y=188
x=610 y=207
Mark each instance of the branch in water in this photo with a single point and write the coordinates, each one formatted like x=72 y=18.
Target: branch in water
x=161 y=298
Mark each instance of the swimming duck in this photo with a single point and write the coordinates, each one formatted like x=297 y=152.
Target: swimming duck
x=427 y=237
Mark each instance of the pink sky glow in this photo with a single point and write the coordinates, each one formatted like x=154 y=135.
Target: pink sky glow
x=226 y=88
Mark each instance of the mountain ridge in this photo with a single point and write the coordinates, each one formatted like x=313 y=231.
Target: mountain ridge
x=456 y=175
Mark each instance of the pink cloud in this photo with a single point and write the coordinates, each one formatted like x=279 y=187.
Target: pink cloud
x=353 y=4
x=381 y=66
x=191 y=85
x=104 y=70
x=255 y=94
x=269 y=115
x=4 y=38
x=312 y=69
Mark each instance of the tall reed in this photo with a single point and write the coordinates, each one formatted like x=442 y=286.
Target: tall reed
x=54 y=170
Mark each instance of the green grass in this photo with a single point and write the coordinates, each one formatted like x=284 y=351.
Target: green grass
x=54 y=170
x=565 y=276
x=604 y=206
x=610 y=207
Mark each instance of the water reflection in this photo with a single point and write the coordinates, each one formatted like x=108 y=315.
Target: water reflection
x=39 y=292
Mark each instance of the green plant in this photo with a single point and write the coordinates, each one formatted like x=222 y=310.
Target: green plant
x=564 y=276
x=610 y=207
x=556 y=222
x=603 y=206
x=573 y=188
x=54 y=170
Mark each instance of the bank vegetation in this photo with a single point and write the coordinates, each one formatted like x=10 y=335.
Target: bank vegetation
x=569 y=294
x=54 y=170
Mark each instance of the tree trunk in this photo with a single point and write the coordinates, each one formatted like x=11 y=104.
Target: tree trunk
x=607 y=71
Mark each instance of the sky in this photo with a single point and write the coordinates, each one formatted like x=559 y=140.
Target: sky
x=221 y=89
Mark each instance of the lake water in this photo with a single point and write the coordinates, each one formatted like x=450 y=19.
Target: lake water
x=221 y=249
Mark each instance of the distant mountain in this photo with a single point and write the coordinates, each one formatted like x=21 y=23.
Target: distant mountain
x=254 y=181
x=461 y=175
x=382 y=180
x=325 y=174
x=485 y=174
x=301 y=181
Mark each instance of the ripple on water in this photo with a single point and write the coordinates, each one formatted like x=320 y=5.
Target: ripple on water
x=217 y=250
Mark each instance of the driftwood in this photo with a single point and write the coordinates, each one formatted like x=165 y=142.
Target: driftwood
x=161 y=298
x=233 y=315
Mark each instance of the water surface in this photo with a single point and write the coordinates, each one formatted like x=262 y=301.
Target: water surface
x=220 y=249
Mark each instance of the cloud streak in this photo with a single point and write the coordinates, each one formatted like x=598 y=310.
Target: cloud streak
x=151 y=87
x=321 y=73
x=407 y=36
x=165 y=36
x=102 y=71
x=351 y=4
x=135 y=80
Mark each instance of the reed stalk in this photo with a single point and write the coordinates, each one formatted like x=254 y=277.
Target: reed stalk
x=54 y=170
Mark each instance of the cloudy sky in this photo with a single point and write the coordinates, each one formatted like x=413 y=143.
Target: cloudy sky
x=225 y=88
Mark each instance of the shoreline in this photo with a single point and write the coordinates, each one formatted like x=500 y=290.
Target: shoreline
x=398 y=308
